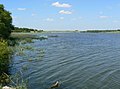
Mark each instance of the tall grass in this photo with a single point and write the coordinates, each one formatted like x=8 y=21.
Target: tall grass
x=4 y=56
x=15 y=82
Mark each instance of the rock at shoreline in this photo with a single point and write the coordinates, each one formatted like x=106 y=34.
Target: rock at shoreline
x=6 y=87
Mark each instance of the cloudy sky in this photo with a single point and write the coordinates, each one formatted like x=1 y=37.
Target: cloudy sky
x=65 y=14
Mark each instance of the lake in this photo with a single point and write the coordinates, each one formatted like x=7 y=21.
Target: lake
x=76 y=60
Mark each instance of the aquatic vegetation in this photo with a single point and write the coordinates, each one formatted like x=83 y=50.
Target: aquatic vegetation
x=12 y=41
x=28 y=37
x=28 y=40
x=21 y=87
x=5 y=56
x=0 y=86
x=4 y=79
x=53 y=36
x=30 y=59
x=25 y=67
x=18 y=81
x=40 y=53
x=21 y=50
x=28 y=48
x=20 y=53
x=15 y=82
x=42 y=37
x=22 y=35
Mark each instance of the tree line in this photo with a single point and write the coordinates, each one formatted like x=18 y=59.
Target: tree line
x=18 y=29
x=98 y=31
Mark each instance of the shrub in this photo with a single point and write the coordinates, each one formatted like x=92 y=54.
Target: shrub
x=4 y=56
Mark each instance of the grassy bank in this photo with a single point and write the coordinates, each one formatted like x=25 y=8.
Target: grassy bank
x=7 y=48
x=5 y=55
x=5 y=52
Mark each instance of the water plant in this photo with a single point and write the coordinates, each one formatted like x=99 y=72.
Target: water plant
x=15 y=82
x=27 y=37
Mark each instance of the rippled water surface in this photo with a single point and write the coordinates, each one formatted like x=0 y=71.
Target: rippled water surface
x=76 y=60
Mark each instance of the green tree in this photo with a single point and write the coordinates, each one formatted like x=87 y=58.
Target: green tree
x=5 y=22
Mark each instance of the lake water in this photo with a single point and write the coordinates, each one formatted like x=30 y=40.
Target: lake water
x=76 y=60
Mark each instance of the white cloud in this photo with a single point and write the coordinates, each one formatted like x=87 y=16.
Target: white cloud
x=21 y=9
x=50 y=19
x=103 y=17
x=61 y=18
x=64 y=5
x=65 y=12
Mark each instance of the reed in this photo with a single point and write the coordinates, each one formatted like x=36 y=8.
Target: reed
x=15 y=82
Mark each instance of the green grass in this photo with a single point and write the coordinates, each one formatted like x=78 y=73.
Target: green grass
x=7 y=47
x=16 y=84
x=5 y=55
x=27 y=37
x=5 y=52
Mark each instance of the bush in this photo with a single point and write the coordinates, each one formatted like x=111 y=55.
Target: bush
x=4 y=56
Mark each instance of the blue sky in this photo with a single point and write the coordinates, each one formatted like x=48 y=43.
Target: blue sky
x=65 y=14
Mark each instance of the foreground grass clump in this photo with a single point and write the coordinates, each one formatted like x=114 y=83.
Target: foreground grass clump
x=27 y=37
x=15 y=82
x=5 y=79
x=4 y=56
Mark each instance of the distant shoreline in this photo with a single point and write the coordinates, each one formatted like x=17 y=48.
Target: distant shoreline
x=75 y=31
